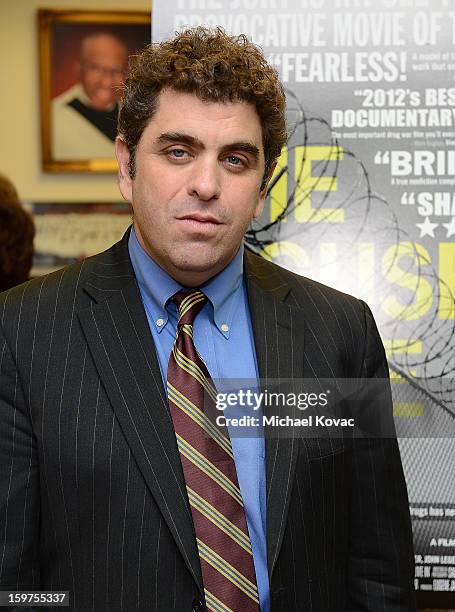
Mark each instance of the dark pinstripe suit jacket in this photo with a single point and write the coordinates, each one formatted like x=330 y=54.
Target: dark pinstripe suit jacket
x=92 y=497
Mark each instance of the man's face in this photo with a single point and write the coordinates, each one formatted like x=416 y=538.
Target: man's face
x=102 y=70
x=199 y=169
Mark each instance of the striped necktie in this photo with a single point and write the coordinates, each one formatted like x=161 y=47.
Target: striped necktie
x=211 y=479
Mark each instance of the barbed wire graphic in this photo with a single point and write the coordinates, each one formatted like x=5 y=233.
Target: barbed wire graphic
x=414 y=305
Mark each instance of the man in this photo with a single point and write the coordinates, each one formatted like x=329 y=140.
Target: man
x=114 y=483
x=84 y=118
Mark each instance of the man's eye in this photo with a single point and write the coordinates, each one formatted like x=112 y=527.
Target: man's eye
x=177 y=153
x=235 y=161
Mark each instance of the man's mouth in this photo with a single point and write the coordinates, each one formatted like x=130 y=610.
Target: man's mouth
x=199 y=224
x=200 y=218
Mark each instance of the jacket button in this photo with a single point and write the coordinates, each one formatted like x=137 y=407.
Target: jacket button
x=197 y=606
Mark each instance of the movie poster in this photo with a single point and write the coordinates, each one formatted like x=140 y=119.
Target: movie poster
x=363 y=200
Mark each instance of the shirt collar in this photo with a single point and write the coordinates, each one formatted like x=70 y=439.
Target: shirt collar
x=155 y=284
x=223 y=290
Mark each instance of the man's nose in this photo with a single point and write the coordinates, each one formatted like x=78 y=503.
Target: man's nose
x=204 y=182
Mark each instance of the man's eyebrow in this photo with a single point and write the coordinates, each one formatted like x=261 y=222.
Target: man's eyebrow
x=169 y=137
x=245 y=146
x=180 y=137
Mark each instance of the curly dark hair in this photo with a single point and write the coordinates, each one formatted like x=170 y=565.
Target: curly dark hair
x=214 y=66
x=17 y=231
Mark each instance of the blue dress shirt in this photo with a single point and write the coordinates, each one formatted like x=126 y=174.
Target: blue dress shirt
x=223 y=336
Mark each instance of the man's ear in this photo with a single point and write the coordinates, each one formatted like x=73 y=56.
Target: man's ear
x=263 y=192
x=125 y=182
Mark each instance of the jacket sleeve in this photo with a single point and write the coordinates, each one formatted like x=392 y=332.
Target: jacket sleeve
x=19 y=481
x=381 y=560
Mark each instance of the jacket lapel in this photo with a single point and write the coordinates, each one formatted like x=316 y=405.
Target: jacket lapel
x=119 y=339
x=278 y=334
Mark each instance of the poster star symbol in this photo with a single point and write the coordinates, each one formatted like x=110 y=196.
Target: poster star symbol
x=450 y=227
x=427 y=228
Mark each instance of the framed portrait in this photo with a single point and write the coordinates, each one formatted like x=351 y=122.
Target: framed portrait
x=84 y=57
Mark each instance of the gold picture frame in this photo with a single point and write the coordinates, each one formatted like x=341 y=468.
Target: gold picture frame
x=80 y=53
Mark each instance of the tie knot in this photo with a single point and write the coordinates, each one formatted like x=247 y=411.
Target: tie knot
x=189 y=304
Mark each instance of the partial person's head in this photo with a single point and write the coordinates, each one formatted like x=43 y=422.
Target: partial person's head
x=16 y=238
x=201 y=124
x=103 y=64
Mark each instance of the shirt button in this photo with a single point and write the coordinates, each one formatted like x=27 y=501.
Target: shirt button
x=225 y=327
x=160 y=322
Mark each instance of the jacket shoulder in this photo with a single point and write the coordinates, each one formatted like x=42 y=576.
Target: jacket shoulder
x=302 y=288
x=337 y=323
x=62 y=289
